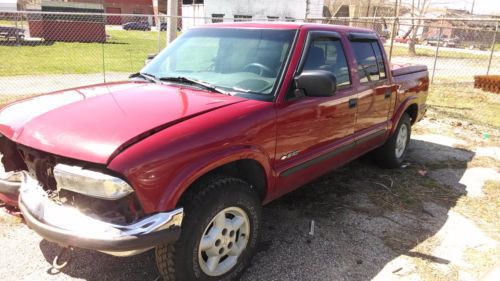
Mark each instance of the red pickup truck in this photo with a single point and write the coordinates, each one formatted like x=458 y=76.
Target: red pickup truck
x=181 y=157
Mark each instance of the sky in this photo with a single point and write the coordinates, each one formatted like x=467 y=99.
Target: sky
x=490 y=7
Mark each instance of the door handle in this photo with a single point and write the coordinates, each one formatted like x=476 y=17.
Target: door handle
x=353 y=102
x=388 y=93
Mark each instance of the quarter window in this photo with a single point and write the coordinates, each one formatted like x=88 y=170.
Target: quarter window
x=370 y=61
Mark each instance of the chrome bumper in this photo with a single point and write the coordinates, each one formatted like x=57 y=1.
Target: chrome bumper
x=67 y=226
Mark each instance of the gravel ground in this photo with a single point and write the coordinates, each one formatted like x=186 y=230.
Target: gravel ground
x=370 y=223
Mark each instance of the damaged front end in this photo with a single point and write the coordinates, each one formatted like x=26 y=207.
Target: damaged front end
x=84 y=205
x=11 y=167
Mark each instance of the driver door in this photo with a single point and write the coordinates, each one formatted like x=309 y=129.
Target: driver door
x=314 y=134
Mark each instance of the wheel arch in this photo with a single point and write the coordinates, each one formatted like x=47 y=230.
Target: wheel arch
x=412 y=111
x=249 y=165
x=248 y=170
x=409 y=106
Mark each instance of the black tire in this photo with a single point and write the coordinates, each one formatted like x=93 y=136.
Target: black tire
x=207 y=198
x=386 y=155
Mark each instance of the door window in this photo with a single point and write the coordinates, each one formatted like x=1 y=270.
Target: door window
x=370 y=61
x=326 y=53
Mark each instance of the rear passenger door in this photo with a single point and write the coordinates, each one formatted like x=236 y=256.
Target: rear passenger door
x=374 y=90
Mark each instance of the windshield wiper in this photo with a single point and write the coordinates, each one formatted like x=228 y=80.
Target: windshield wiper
x=145 y=76
x=204 y=85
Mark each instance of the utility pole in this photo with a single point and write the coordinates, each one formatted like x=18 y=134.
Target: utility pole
x=172 y=20
x=472 y=9
x=157 y=22
x=397 y=7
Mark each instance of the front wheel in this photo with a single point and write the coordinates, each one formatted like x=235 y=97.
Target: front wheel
x=393 y=152
x=219 y=232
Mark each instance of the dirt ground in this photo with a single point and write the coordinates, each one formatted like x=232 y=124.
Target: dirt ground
x=435 y=218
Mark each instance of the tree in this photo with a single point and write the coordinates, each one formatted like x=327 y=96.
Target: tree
x=419 y=11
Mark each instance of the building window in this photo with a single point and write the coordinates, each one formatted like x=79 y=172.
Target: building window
x=272 y=18
x=242 y=18
x=192 y=2
x=217 y=18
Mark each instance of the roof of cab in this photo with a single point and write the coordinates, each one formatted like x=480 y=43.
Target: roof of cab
x=286 y=25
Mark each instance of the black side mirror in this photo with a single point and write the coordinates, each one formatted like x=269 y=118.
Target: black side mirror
x=316 y=83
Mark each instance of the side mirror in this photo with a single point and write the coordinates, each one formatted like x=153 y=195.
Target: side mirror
x=316 y=83
x=149 y=58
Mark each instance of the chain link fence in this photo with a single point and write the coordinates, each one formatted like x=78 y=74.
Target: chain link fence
x=42 y=52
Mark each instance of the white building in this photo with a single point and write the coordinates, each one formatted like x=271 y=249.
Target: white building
x=8 y=5
x=249 y=10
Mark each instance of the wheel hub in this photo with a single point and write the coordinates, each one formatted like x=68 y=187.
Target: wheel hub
x=401 y=140
x=223 y=241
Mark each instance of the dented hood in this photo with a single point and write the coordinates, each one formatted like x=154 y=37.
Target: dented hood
x=93 y=123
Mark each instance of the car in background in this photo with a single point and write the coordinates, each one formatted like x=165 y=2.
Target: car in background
x=163 y=27
x=136 y=26
x=442 y=41
x=401 y=39
x=8 y=32
x=406 y=40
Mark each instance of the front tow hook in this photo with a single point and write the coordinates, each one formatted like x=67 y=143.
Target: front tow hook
x=55 y=263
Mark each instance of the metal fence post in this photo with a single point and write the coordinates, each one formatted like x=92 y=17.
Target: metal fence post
x=172 y=21
x=492 y=48
x=102 y=44
x=18 y=39
x=396 y=21
x=437 y=51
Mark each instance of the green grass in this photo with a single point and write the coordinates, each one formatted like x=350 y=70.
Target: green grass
x=125 y=51
x=424 y=52
x=7 y=23
x=462 y=101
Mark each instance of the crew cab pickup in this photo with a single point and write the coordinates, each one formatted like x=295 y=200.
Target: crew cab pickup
x=181 y=157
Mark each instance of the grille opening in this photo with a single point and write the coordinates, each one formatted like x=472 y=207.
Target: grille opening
x=11 y=158
x=40 y=166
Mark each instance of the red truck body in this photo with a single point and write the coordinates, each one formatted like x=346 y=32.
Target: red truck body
x=161 y=138
x=114 y=115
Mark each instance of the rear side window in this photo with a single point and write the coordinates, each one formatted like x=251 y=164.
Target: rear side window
x=370 y=61
x=326 y=53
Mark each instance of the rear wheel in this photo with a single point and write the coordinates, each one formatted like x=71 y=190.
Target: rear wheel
x=219 y=232
x=393 y=152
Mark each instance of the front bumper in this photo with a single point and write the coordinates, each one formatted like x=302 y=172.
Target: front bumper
x=67 y=226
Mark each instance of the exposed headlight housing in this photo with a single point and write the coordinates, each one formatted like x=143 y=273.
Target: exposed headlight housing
x=90 y=183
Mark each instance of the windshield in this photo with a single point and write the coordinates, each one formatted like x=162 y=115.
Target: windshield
x=240 y=61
